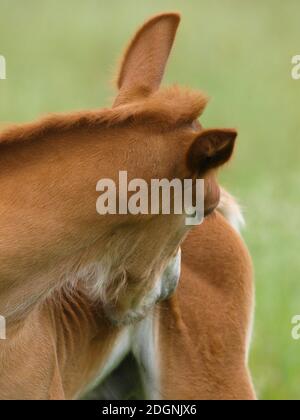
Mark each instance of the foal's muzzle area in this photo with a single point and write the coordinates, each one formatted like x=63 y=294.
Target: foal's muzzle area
x=164 y=287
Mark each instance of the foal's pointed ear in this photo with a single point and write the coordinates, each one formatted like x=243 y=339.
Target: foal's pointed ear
x=211 y=149
x=144 y=62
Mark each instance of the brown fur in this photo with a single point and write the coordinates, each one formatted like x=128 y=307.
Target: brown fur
x=203 y=331
x=52 y=242
x=204 y=328
x=169 y=107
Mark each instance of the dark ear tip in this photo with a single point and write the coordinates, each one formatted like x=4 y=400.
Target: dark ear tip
x=172 y=15
x=232 y=133
x=176 y=16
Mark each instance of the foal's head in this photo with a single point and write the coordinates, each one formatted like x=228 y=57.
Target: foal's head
x=165 y=140
x=151 y=133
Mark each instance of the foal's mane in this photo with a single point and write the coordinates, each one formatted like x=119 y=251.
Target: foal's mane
x=167 y=107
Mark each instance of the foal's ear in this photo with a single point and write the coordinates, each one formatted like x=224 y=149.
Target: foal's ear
x=144 y=62
x=211 y=149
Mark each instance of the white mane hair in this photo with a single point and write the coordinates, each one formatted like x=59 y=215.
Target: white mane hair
x=231 y=210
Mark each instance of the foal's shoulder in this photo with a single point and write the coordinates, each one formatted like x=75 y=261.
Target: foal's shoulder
x=216 y=252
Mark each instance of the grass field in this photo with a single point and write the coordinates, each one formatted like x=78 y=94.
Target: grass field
x=60 y=56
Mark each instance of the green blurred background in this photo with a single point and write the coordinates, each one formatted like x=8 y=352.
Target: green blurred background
x=60 y=57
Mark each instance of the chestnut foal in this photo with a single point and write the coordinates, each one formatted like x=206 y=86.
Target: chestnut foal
x=71 y=280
